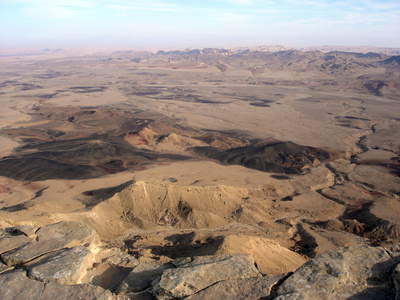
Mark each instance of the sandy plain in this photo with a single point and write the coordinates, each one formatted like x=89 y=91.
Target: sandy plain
x=109 y=139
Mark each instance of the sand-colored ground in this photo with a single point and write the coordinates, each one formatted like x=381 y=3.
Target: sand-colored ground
x=162 y=108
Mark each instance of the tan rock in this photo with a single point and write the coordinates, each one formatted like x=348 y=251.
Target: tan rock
x=70 y=231
x=14 y=285
x=240 y=289
x=64 y=266
x=33 y=250
x=202 y=272
x=142 y=277
x=116 y=257
x=52 y=238
x=271 y=258
x=363 y=272
x=54 y=291
x=10 y=242
x=4 y=268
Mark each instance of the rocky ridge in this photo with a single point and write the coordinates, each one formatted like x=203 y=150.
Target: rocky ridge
x=68 y=260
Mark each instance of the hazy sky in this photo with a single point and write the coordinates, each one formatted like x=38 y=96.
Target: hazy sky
x=204 y=23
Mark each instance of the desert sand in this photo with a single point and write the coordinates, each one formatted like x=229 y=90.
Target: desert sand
x=183 y=154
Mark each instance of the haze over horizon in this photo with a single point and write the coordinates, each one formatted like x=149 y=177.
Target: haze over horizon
x=209 y=23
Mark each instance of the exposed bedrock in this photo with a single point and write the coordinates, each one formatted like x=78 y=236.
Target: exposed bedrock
x=240 y=266
x=344 y=273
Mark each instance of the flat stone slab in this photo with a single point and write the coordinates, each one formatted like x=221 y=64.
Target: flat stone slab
x=52 y=238
x=70 y=231
x=54 y=291
x=10 y=242
x=33 y=250
x=203 y=272
x=64 y=266
x=14 y=285
x=240 y=289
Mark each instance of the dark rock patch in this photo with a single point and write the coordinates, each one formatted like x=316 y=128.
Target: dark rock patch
x=280 y=177
x=38 y=169
x=282 y=157
x=77 y=159
x=87 y=89
x=259 y=104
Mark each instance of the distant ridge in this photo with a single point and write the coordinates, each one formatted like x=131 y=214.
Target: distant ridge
x=60 y=52
x=358 y=49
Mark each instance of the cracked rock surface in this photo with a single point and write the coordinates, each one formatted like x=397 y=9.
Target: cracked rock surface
x=64 y=266
x=360 y=272
x=202 y=272
x=16 y=285
x=66 y=260
x=48 y=263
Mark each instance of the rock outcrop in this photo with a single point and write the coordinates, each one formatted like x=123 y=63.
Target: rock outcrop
x=66 y=260
x=194 y=276
x=359 y=272
x=16 y=285
x=48 y=239
x=240 y=289
x=64 y=266
x=48 y=263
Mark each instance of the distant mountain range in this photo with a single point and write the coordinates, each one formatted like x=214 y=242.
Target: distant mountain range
x=221 y=50
x=358 y=49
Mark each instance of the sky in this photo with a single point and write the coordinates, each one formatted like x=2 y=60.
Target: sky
x=177 y=24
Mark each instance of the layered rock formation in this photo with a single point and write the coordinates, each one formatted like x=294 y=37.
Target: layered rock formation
x=67 y=260
x=48 y=262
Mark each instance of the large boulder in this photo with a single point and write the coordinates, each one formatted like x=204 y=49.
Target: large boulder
x=204 y=271
x=360 y=272
x=70 y=232
x=65 y=266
